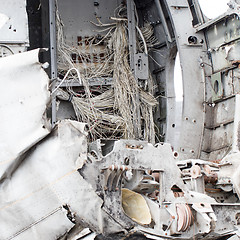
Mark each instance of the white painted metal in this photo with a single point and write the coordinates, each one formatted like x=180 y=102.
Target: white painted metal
x=23 y=100
x=192 y=118
x=14 y=24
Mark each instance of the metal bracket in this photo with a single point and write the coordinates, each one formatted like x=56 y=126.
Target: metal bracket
x=141 y=65
x=216 y=81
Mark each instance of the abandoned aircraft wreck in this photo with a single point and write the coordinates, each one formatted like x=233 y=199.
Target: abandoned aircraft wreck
x=94 y=143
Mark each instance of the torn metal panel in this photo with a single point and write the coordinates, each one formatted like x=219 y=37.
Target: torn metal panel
x=47 y=179
x=51 y=226
x=24 y=97
x=211 y=22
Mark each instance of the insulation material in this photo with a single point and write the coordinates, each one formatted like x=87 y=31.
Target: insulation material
x=23 y=99
x=45 y=182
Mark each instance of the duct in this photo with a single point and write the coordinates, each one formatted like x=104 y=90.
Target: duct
x=23 y=100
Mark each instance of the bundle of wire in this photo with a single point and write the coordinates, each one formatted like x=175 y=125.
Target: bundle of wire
x=112 y=113
x=101 y=124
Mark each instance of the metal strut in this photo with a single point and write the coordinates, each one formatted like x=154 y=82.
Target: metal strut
x=132 y=53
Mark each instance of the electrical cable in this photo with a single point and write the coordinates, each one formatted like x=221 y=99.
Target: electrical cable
x=110 y=113
x=79 y=79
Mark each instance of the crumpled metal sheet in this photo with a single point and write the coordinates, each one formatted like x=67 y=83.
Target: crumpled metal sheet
x=46 y=180
x=23 y=98
x=57 y=221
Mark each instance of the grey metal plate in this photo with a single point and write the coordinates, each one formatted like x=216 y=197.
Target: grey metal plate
x=77 y=15
x=16 y=26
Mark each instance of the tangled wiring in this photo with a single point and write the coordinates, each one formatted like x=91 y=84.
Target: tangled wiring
x=109 y=112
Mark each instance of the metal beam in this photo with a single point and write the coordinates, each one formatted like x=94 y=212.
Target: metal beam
x=132 y=53
x=163 y=20
x=53 y=54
